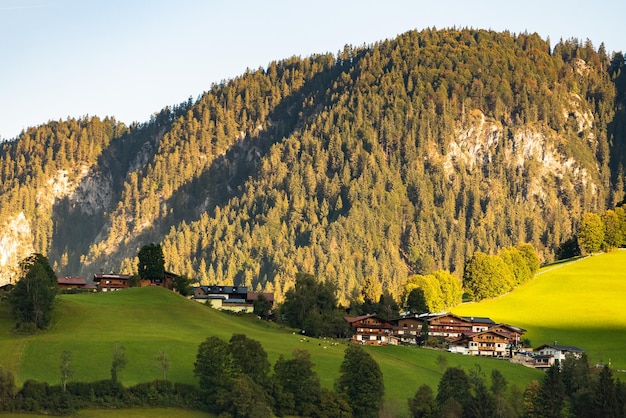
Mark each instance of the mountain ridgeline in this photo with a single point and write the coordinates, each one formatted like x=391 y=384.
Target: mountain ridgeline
x=376 y=163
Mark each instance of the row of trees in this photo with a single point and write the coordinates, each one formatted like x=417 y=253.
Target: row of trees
x=569 y=389
x=488 y=276
x=312 y=305
x=602 y=231
x=235 y=379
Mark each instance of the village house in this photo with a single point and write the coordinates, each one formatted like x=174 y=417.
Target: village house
x=372 y=330
x=167 y=281
x=69 y=282
x=512 y=333
x=408 y=329
x=229 y=298
x=484 y=343
x=111 y=282
x=547 y=354
x=450 y=326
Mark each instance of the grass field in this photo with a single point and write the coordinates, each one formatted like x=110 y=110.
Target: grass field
x=148 y=320
x=575 y=303
x=580 y=303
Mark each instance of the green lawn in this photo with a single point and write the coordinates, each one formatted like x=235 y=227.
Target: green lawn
x=148 y=320
x=580 y=303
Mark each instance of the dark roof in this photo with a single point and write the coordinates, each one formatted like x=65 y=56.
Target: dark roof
x=479 y=320
x=565 y=348
x=252 y=296
x=224 y=290
x=98 y=277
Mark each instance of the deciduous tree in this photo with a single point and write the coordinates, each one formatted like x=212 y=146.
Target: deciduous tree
x=213 y=365
x=361 y=380
x=66 y=368
x=119 y=361
x=590 y=233
x=32 y=298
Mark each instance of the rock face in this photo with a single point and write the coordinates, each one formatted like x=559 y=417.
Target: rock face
x=87 y=191
x=15 y=245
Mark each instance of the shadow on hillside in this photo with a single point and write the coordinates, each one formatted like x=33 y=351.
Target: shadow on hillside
x=225 y=178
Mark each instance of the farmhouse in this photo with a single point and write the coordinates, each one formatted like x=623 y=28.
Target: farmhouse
x=111 y=282
x=484 y=343
x=69 y=282
x=408 y=329
x=167 y=281
x=547 y=354
x=372 y=330
x=229 y=298
x=452 y=326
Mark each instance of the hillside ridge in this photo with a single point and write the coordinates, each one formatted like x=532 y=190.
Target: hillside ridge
x=381 y=161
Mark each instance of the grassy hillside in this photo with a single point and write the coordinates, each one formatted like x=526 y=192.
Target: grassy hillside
x=148 y=320
x=577 y=303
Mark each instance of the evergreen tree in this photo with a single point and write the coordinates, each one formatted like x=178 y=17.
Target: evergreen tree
x=604 y=399
x=151 y=264
x=552 y=393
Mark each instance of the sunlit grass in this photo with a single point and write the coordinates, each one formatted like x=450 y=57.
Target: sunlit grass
x=149 y=320
x=579 y=303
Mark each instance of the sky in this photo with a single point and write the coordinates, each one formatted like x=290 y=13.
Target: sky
x=130 y=58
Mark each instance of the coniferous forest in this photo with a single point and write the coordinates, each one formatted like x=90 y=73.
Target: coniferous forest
x=372 y=164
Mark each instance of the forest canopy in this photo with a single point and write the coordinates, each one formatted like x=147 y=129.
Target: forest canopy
x=384 y=161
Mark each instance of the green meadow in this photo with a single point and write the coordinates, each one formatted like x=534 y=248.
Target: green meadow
x=148 y=320
x=580 y=303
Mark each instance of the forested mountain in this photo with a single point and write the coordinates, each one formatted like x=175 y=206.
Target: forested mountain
x=369 y=165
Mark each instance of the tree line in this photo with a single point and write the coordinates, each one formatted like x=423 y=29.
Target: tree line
x=571 y=388
x=235 y=380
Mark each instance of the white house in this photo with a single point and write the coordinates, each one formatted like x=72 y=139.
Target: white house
x=547 y=354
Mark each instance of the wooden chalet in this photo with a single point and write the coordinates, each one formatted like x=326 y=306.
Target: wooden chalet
x=167 y=281
x=452 y=326
x=547 y=354
x=408 y=329
x=513 y=334
x=484 y=343
x=372 y=330
x=69 y=282
x=111 y=282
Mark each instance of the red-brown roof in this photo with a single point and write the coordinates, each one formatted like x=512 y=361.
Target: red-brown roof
x=74 y=281
x=252 y=296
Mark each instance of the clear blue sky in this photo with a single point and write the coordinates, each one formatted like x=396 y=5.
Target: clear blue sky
x=131 y=58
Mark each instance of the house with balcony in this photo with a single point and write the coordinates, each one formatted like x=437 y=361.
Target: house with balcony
x=111 y=282
x=451 y=326
x=484 y=343
x=547 y=354
x=371 y=329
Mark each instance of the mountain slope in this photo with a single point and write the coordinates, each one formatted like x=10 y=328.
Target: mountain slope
x=399 y=157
